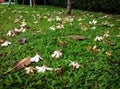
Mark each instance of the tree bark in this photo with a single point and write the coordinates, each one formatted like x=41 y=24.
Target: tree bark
x=69 y=7
x=9 y=3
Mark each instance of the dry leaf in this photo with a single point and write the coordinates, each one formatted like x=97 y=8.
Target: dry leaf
x=62 y=43
x=77 y=37
x=108 y=42
x=16 y=20
x=108 y=53
x=94 y=49
x=59 y=70
x=22 y=63
x=2 y=40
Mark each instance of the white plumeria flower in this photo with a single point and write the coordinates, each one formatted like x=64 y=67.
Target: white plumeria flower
x=50 y=19
x=60 y=26
x=80 y=19
x=60 y=13
x=94 y=47
x=52 y=28
x=36 y=58
x=6 y=43
x=57 y=54
x=93 y=28
x=23 y=24
x=16 y=30
x=9 y=33
x=22 y=29
x=93 y=22
x=74 y=64
x=58 y=18
x=43 y=69
x=29 y=70
x=36 y=22
x=107 y=34
x=98 y=38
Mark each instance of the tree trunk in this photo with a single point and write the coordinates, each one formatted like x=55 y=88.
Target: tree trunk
x=9 y=3
x=69 y=7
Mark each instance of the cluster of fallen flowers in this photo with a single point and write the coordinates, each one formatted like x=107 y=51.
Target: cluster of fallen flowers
x=43 y=69
x=16 y=31
x=40 y=69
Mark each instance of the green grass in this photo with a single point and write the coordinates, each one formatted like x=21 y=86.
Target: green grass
x=99 y=71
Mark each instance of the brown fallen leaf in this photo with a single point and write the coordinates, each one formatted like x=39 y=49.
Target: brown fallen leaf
x=94 y=49
x=108 y=42
x=20 y=64
x=59 y=70
x=77 y=37
x=108 y=53
x=16 y=20
x=2 y=40
x=62 y=43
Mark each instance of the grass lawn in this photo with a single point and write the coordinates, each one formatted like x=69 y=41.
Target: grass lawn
x=47 y=29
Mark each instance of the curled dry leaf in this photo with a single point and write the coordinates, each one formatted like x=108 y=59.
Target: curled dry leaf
x=16 y=21
x=20 y=64
x=62 y=43
x=59 y=70
x=108 y=42
x=77 y=37
x=2 y=40
x=94 y=49
x=108 y=53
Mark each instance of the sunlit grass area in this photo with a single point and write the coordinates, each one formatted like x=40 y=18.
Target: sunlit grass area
x=46 y=30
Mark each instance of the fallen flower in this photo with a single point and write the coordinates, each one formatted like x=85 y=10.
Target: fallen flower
x=36 y=22
x=58 y=18
x=107 y=34
x=43 y=69
x=98 y=38
x=52 y=28
x=93 y=22
x=29 y=70
x=60 y=26
x=23 y=24
x=74 y=65
x=22 y=29
x=57 y=54
x=22 y=40
x=6 y=43
x=36 y=58
x=94 y=49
